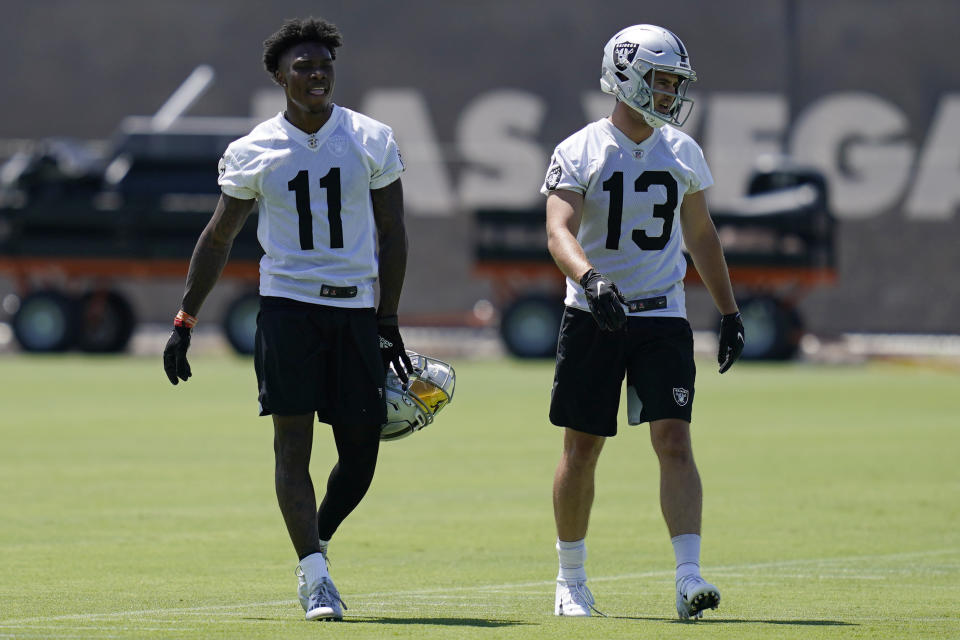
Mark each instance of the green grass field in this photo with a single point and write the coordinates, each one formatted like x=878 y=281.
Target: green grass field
x=133 y=509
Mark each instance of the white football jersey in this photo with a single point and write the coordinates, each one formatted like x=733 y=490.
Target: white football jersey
x=316 y=222
x=630 y=230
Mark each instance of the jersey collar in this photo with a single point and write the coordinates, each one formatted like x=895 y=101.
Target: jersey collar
x=312 y=141
x=638 y=151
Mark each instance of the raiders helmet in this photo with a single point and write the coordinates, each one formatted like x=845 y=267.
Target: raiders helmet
x=645 y=49
x=412 y=407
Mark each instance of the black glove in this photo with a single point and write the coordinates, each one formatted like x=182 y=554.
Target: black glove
x=391 y=348
x=175 y=354
x=605 y=300
x=731 y=340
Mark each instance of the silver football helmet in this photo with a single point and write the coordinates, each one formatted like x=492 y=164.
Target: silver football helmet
x=412 y=407
x=631 y=60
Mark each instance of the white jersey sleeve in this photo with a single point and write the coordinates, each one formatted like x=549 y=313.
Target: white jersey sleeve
x=690 y=155
x=569 y=171
x=389 y=165
x=236 y=180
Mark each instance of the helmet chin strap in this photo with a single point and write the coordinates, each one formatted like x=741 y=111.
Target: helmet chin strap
x=648 y=117
x=656 y=123
x=652 y=120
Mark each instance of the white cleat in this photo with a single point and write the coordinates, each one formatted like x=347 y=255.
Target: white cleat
x=694 y=594
x=324 y=602
x=573 y=599
x=303 y=591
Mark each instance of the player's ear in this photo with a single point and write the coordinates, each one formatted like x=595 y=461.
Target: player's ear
x=278 y=78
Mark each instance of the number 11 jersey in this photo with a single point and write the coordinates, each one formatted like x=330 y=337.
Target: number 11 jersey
x=316 y=224
x=630 y=229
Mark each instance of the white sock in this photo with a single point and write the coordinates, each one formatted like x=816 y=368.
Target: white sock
x=686 y=549
x=314 y=568
x=572 y=555
x=323 y=546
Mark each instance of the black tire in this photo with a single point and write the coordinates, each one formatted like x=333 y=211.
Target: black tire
x=240 y=323
x=105 y=322
x=773 y=329
x=45 y=322
x=529 y=326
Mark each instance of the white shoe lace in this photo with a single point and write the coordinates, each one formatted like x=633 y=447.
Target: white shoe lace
x=326 y=594
x=581 y=596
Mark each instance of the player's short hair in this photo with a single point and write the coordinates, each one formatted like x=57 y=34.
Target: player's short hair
x=295 y=31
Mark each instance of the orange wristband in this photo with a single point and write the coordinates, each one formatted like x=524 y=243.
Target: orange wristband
x=184 y=319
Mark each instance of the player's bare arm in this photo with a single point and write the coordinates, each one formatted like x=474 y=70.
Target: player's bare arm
x=700 y=237
x=564 y=212
x=209 y=257
x=392 y=240
x=213 y=249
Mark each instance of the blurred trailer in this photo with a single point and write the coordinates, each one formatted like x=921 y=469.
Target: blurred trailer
x=779 y=244
x=76 y=219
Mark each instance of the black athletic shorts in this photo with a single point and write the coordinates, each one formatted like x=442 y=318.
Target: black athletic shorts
x=311 y=357
x=656 y=354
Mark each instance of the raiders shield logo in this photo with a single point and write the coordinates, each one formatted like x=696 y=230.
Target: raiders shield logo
x=553 y=177
x=623 y=54
x=681 y=395
x=337 y=145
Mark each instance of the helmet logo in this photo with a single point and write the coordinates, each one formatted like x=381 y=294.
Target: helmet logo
x=623 y=54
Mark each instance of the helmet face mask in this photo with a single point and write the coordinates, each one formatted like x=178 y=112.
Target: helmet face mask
x=631 y=61
x=413 y=407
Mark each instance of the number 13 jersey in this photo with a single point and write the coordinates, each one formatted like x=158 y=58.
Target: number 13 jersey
x=630 y=229
x=316 y=224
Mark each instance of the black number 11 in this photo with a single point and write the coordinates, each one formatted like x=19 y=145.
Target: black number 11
x=300 y=185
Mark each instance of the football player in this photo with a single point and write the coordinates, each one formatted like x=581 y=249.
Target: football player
x=624 y=194
x=327 y=184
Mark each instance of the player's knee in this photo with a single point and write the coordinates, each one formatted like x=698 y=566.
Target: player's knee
x=364 y=456
x=671 y=441
x=582 y=454
x=358 y=447
x=291 y=455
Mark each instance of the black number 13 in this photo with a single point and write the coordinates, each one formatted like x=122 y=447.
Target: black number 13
x=300 y=185
x=614 y=184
